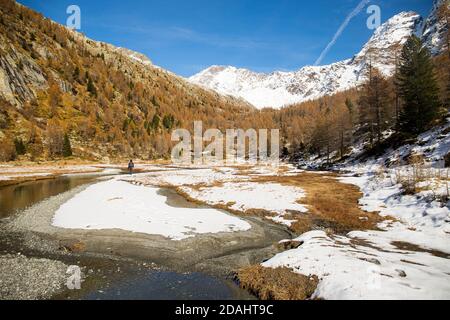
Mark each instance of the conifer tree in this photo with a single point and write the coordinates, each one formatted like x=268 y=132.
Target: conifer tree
x=20 y=146
x=67 y=147
x=91 y=87
x=155 y=122
x=417 y=87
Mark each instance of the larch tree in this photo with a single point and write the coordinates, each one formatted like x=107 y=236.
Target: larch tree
x=374 y=104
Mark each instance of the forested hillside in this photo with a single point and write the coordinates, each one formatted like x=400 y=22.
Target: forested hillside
x=381 y=113
x=62 y=95
x=57 y=85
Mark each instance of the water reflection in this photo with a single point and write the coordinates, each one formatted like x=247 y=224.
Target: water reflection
x=160 y=285
x=21 y=196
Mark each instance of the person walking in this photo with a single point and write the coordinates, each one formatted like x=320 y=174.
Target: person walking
x=130 y=166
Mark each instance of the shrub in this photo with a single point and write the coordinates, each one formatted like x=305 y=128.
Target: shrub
x=7 y=150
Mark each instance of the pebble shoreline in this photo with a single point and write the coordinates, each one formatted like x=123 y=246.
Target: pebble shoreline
x=26 y=278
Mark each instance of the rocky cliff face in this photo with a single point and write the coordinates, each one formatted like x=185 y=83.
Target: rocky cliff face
x=435 y=28
x=278 y=89
x=20 y=78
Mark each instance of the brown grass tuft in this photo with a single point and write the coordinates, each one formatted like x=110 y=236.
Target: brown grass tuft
x=276 y=284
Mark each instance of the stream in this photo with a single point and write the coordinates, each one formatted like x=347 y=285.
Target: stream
x=134 y=283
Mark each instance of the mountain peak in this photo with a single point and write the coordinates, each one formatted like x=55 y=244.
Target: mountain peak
x=279 y=89
x=387 y=41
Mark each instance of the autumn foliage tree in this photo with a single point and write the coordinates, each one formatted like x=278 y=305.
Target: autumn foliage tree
x=375 y=105
x=55 y=138
x=7 y=150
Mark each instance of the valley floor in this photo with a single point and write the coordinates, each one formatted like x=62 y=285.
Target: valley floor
x=347 y=236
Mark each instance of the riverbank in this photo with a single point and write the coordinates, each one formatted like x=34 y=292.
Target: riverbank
x=13 y=173
x=178 y=255
x=216 y=254
x=271 y=200
x=24 y=278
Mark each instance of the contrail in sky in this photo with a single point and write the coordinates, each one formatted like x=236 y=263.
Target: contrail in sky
x=341 y=29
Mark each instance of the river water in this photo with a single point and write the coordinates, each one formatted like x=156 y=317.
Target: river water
x=20 y=196
x=136 y=285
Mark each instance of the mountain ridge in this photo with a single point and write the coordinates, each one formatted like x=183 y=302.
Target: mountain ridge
x=110 y=101
x=278 y=89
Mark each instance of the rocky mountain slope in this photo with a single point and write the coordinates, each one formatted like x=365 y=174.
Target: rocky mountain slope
x=435 y=28
x=110 y=101
x=278 y=89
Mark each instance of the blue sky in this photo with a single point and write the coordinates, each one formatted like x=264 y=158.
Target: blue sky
x=262 y=35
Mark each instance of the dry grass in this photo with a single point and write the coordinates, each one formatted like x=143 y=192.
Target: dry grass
x=331 y=204
x=412 y=180
x=77 y=246
x=401 y=245
x=276 y=284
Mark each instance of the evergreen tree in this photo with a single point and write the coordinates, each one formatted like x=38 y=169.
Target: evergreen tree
x=76 y=74
x=155 y=102
x=168 y=121
x=20 y=146
x=67 y=148
x=351 y=109
x=91 y=87
x=155 y=122
x=417 y=87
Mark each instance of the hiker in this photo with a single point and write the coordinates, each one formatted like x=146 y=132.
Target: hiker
x=130 y=166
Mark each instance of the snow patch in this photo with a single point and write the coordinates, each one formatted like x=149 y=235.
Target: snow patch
x=357 y=266
x=244 y=196
x=120 y=205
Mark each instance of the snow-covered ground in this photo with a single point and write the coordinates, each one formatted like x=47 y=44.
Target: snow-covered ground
x=232 y=187
x=358 y=266
x=410 y=257
x=121 y=205
x=244 y=196
x=187 y=176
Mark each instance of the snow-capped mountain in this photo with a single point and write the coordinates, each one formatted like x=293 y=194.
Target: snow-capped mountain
x=279 y=89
